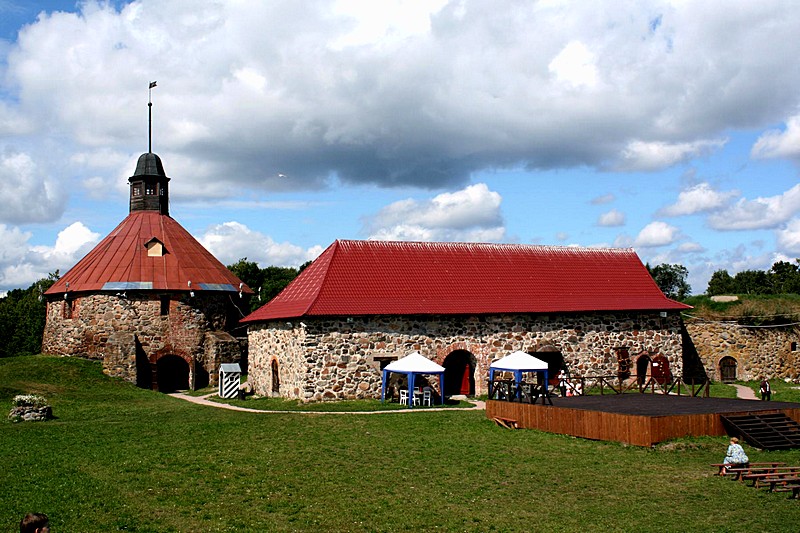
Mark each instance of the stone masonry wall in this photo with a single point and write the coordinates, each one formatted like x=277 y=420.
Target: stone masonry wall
x=759 y=352
x=111 y=328
x=336 y=359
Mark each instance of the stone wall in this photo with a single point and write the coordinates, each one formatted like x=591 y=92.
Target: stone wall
x=121 y=330
x=759 y=352
x=27 y=413
x=323 y=359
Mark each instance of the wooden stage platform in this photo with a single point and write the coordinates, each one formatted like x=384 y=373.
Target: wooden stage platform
x=634 y=418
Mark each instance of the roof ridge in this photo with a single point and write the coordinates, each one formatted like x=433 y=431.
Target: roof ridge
x=559 y=247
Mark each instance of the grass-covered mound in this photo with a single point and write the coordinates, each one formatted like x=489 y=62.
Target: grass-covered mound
x=749 y=309
x=117 y=458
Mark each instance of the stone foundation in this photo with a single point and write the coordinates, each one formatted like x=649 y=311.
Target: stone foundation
x=327 y=359
x=130 y=334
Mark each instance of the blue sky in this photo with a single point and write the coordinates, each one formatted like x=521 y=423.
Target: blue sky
x=670 y=127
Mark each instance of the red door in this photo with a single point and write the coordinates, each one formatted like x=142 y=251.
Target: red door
x=465 y=381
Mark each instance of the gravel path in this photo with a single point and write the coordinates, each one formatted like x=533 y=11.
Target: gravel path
x=203 y=400
x=745 y=393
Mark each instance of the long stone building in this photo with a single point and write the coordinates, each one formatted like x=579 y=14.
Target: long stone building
x=149 y=301
x=362 y=304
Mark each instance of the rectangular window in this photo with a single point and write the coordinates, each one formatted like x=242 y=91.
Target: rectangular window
x=137 y=191
x=164 y=305
x=69 y=308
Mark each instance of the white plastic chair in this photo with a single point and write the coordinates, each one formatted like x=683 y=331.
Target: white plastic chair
x=426 y=397
x=404 y=396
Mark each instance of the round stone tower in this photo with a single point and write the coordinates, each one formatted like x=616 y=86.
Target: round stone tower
x=149 y=301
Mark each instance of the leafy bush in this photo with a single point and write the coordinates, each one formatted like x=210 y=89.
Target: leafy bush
x=29 y=400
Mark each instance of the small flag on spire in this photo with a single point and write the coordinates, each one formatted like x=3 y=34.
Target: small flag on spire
x=152 y=84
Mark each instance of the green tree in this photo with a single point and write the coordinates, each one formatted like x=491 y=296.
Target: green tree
x=671 y=279
x=721 y=283
x=784 y=277
x=266 y=283
x=22 y=318
x=752 y=282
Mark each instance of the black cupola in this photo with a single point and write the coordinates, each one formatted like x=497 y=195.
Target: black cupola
x=149 y=185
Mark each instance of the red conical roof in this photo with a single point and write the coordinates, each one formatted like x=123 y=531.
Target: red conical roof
x=124 y=261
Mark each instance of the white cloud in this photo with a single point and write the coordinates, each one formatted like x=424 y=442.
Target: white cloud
x=472 y=214
x=789 y=238
x=29 y=195
x=700 y=198
x=603 y=199
x=691 y=248
x=656 y=234
x=648 y=156
x=404 y=93
x=231 y=241
x=777 y=143
x=761 y=213
x=21 y=264
x=575 y=66
x=611 y=219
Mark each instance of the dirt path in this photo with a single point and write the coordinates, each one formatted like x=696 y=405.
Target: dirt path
x=203 y=400
x=745 y=393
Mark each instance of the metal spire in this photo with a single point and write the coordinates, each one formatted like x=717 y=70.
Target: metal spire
x=150 y=117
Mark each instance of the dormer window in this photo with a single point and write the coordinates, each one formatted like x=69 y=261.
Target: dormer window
x=155 y=248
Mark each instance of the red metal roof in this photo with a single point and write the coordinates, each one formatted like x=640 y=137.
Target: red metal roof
x=354 y=278
x=121 y=262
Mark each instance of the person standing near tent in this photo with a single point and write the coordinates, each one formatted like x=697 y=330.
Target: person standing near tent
x=766 y=390
x=562 y=382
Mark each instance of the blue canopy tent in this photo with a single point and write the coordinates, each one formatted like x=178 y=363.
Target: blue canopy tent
x=518 y=363
x=413 y=364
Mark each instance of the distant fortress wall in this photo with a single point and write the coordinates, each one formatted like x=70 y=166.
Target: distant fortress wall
x=753 y=352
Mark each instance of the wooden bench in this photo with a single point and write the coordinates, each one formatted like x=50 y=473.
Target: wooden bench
x=783 y=483
x=739 y=469
x=758 y=478
x=507 y=423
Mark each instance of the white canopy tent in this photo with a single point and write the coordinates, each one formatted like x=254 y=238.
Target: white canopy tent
x=518 y=363
x=412 y=364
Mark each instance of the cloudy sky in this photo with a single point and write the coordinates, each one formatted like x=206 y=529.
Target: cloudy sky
x=669 y=127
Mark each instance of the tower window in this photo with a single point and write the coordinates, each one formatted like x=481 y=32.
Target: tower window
x=137 y=191
x=155 y=248
x=150 y=189
x=164 y=305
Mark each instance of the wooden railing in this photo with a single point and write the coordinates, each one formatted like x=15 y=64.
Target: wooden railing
x=503 y=389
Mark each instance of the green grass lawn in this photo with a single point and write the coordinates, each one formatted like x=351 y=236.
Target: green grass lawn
x=118 y=458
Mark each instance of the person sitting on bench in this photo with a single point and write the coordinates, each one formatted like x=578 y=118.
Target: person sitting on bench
x=735 y=455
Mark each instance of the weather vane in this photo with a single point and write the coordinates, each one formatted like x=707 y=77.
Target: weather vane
x=150 y=117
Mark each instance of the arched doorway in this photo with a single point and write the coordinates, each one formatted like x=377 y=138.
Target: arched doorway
x=623 y=363
x=727 y=369
x=276 y=378
x=459 y=374
x=643 y=368
x=172 y=373
x=555 y=362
